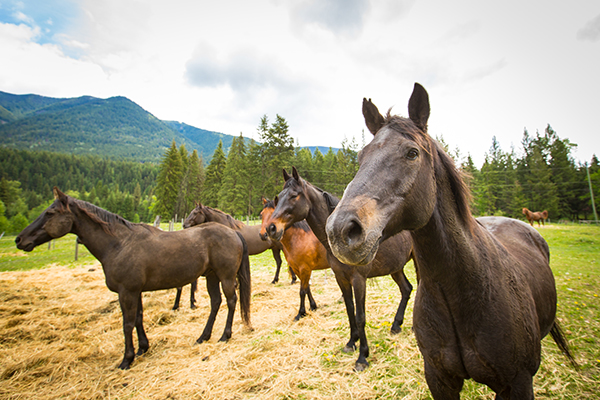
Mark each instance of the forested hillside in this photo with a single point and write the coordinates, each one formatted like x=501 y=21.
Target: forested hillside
x=541 y=176
x=115 y=127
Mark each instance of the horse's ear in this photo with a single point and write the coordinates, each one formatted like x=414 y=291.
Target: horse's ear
x=276 y=200
x=58 y=195
x=373 y=118
x=286 y=176
x=295 y=174
x=264 y=201
x=418 y=107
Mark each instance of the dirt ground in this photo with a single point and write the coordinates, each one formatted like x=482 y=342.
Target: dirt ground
x=61 y=337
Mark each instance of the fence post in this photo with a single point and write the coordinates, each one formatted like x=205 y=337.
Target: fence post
x=76 y=247
x=591 y=193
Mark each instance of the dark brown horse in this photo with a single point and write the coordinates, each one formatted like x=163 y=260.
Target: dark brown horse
x=302 y=250
x=300 y=200
x=256 y=245
x=486 y=294
x=201 y=214
x=535 y=216
x=139 y=258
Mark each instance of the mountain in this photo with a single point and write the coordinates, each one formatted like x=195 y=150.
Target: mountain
x=115 y=127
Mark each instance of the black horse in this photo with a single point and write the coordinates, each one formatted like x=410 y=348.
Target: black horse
x=300 y=200
x=138 y=258
x=486 y=294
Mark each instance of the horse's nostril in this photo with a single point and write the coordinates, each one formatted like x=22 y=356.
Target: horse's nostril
x=353 y=231
x=18 y=240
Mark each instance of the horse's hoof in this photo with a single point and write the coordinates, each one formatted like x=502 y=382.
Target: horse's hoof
x=349 y=349
x=274 y=281
x=358 y=367
x=395 y=330
x=299 y=316
x=193 y=307
x=201 y=340
x=141 y=351
x=224 y=338
x=125 y=364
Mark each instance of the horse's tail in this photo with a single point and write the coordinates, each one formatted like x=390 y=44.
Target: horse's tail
x=244 y=283
x=561 y=342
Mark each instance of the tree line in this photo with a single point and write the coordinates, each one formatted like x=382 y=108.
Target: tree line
x=542 y=175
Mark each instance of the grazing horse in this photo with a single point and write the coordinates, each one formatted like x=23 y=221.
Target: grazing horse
x=535 y=216
x=300 y=200
x=302 y=250
x=201 y=214
x=486 y=294
x=139 y=258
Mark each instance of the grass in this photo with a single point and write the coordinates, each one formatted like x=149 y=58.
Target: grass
x=61 y=335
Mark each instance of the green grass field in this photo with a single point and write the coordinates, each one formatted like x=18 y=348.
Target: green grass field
x=396 y=366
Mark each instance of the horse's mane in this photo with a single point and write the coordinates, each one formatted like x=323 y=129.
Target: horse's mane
x=233 y=223
x=443 y=164
x=330 y=199
x=105 y=219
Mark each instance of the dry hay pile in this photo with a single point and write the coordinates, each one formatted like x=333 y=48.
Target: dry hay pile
x=61 y=337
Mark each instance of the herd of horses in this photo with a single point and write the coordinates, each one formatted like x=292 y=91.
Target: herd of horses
x=486 y=294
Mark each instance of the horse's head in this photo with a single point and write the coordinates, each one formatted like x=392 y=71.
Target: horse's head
x=56 y=221
x=197 y=216
x=265 y=216
x=292 y=205
x=394 y=188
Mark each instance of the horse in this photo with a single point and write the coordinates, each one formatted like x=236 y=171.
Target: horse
x=486 y=295
x=301 y=200
x=302 y=250
x=139 y=258
x=535 y=216
x=201 y=214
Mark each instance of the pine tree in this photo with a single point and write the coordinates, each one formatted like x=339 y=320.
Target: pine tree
x=234 y=187
x=168 y=183
x=278 y=153
x=214 y=174
x=195 y=181
x=254 y=176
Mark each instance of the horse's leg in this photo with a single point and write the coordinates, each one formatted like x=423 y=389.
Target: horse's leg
x=177 y=298
x=277 y=258
x=229 y=291
x=347 y=295
x=129 y=303
x=311 y=300
x=143 y=343
x=405 y=289
x=193 y=289
x=304 y=274
x=520 y=388
x=359 y=284
x=442 y=386
x=292 y=274
x=212 y=286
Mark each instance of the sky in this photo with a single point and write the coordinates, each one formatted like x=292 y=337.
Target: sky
x=492 y=69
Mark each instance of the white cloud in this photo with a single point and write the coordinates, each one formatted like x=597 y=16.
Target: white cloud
x=489 y=69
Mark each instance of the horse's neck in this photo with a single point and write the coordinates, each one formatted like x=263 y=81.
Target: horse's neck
x=317 y=215
x=93 y=237
x=446 y=249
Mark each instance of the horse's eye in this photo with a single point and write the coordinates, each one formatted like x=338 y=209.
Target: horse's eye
x=412 y=154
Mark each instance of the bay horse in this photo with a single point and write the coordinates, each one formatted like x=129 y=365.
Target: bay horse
x=301 y=200
x=486 y=295
x=535 y=216
x=302 y=250
x=139 y=258
x=201 y=214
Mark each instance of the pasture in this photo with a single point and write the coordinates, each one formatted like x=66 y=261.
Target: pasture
x=61 y=334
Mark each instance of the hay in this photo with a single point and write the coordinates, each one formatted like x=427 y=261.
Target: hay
x=61 y=337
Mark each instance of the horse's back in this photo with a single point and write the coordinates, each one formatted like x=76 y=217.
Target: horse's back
x=531 y=255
